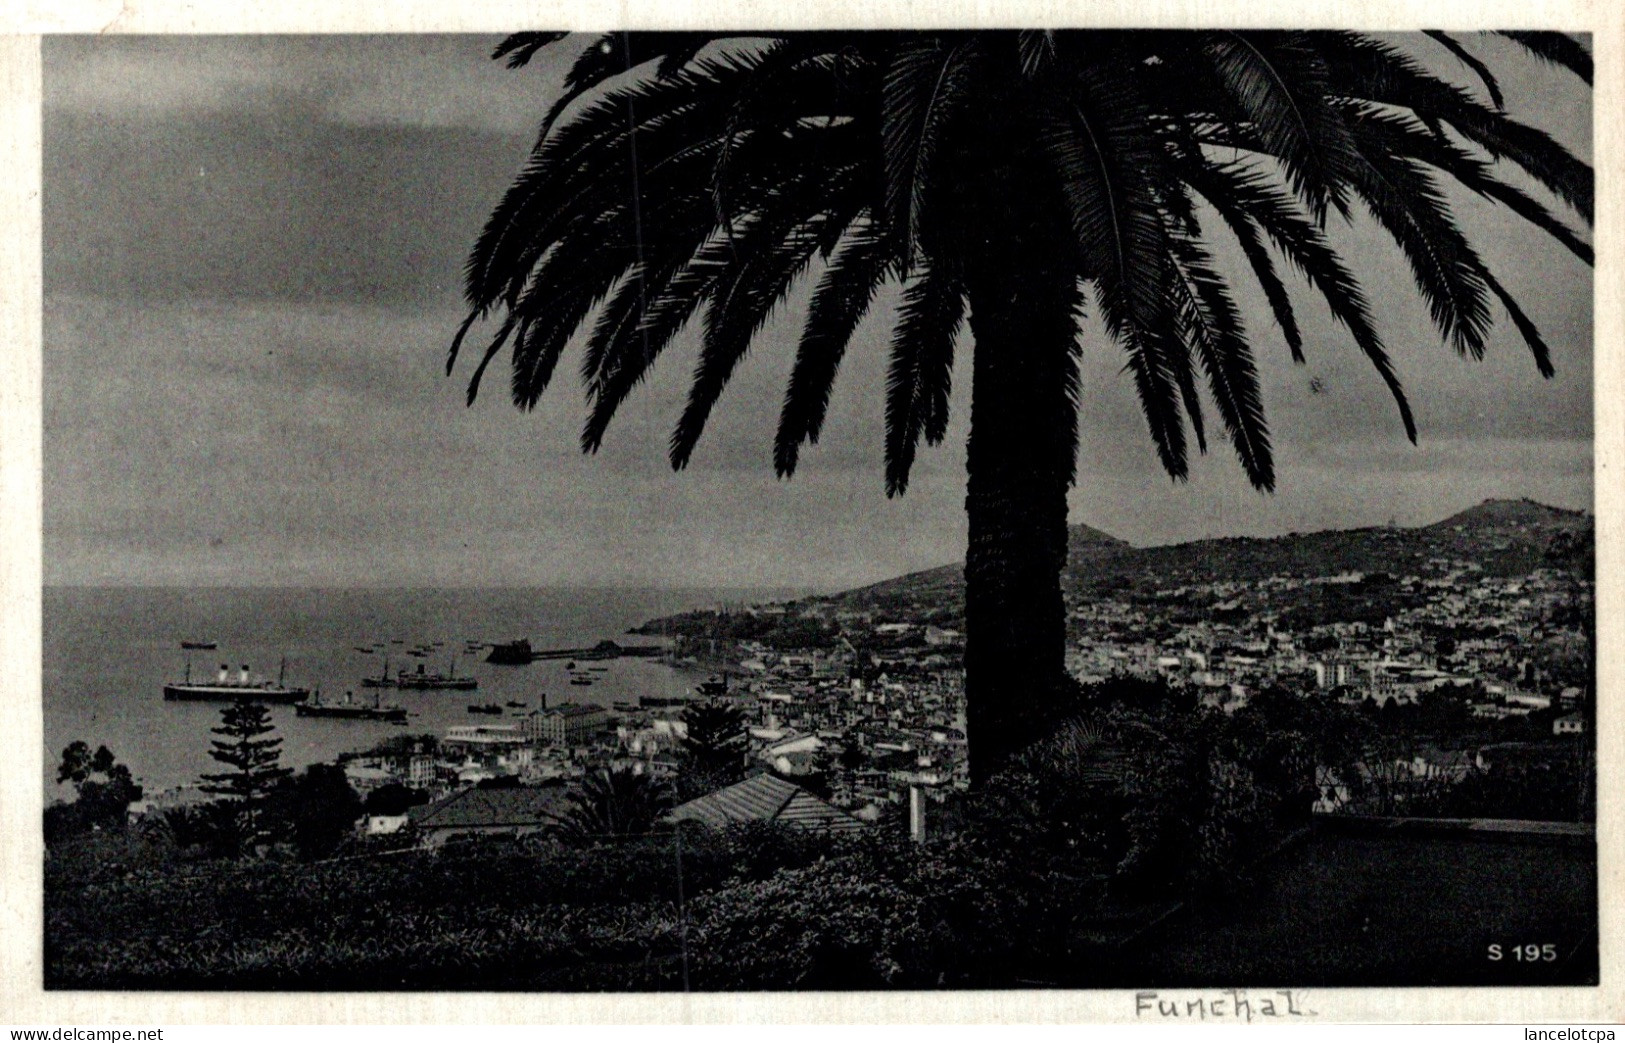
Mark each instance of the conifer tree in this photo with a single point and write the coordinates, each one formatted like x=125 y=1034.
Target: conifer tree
x=254 y=760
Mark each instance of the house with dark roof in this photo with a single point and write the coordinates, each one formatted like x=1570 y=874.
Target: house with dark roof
x=765 y=798
x=480 y=812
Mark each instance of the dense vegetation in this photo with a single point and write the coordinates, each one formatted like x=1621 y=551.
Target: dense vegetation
x=1089 y=832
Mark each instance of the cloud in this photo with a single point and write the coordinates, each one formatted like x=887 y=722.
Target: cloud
x=264 y=207
x=404 y=80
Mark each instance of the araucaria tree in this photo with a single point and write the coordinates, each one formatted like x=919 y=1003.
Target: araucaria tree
x=1054 y=191
x=713 y=747
x=254 y=761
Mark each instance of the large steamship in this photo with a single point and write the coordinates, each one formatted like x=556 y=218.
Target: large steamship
x=242 y=688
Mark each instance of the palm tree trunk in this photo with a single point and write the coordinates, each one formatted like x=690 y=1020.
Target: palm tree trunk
x=1019 y=463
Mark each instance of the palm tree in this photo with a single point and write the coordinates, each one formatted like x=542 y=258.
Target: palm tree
x=1005 y=179
x=614 y=802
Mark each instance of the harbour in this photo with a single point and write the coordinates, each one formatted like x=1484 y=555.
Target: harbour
x=108 y=652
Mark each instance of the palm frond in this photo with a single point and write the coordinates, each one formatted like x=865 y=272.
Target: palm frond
x=589 y=164
x=1257 y=253
x=520 y=48
x=1248 y=194
x=1279 y=84
x=626 y=358
x=1367 y=69
x=1531 y=334
x=1214 y=328
x=1036 y=49
x=614 y=53
x=1111 y=165
x=745 y=297
x=1408 y=204
x=925 y=83
x=917 y=380
x=1469 y=59
x=839 y=302
x=1401 y=135
x=1557 y=48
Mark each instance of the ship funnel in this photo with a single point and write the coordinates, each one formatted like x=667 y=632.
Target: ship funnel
x=224 y=670
x=242 y=674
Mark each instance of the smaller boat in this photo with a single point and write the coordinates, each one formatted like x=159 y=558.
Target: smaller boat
x=363 y=651
x=383 y=680
x=485 y=708
x=598 y=669
x=571 y=665
x=578 y=679
x=202 y=646
x=516 y=704
x=351 y=710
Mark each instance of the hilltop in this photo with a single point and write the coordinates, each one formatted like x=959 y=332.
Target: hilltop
x=1503 y=537
x=1500 y=537
x=1513 y=513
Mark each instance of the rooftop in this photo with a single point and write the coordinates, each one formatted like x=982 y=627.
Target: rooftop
x=765 y=798
x=505 y=806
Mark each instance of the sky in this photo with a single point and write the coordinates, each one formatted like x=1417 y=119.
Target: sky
x=252 y=260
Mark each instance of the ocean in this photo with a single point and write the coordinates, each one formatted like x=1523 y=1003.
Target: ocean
x=109 y=651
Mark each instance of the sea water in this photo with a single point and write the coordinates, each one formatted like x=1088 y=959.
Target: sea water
x=109 y=651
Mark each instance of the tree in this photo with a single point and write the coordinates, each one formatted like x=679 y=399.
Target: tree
x=612 y=802
x=103 y=793
x=1006 y=179
x=255 y=769
x=394 y=798
x=320 y=808
x=713 y=748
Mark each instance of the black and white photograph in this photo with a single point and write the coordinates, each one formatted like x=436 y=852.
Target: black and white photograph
x=876 y=510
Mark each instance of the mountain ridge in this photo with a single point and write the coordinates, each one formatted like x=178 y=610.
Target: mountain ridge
x=1500 y=536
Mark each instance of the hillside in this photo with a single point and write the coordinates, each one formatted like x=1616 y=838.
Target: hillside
x=1503 y=537
x=1515 y=514
x=942 y=588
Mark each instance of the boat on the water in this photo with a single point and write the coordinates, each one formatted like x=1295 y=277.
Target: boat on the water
x=383 y=680
x=200 y=646
x=579 y=679
x=421 y=680
x=240 y=689
x=485 y=708
x=511 y=653
x=349 y=709
x=652 y=702
x=515 y=704
x=425 y=681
